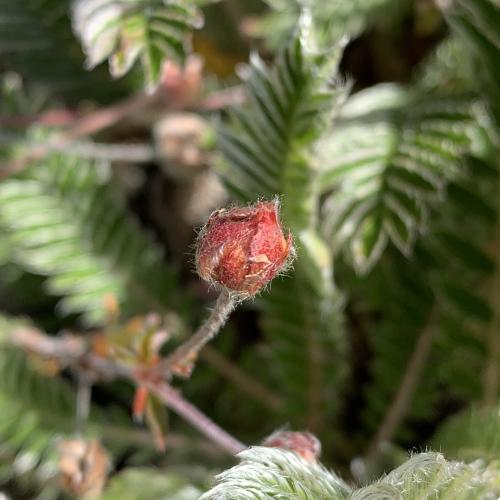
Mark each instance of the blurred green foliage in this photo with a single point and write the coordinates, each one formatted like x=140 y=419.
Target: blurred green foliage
x=376 y=122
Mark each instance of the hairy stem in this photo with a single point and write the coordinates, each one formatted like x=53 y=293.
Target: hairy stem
x=72 y=352
x=206 y=332
x=399 y=405
x=220 y=363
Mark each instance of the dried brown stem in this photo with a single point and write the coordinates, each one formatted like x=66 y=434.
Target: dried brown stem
x=399 y=405
x=72 y=351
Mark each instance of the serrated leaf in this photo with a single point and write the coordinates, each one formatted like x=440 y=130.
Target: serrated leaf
x=430 y=475
x=77 y=233
x=266 y=473
x=470 y=256
x=124 y=32
x=386 y=165
x=273 y=473
x=267 y=143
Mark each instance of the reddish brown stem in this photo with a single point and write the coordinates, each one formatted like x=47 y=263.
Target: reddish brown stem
x=71 y=351
x=191 y=414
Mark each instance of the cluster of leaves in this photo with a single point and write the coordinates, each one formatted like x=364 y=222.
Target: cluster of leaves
x=76 y=231
x=271 y=473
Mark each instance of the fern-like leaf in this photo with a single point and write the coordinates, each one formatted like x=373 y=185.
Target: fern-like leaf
x=386 y=163
x=266 y=473
x=29 y=421
x=333 y=19
x=272 y=473
x=430 y=475
x=443 y=288
x=75 y=230
x=123 y=32
x=268 y=142
x=476 y=22
x=303 y=324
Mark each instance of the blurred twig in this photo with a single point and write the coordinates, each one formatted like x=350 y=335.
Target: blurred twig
x=399 y=405
x=87 y=125
x=139 y=153
x=102 y=118
x=220 y=99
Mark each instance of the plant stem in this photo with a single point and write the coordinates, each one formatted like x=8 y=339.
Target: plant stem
x=220 y=363
x=86 y=125
x=140 y=153
x=71 y=351
x=206 y=332
x=190 y=413
x=397 y=409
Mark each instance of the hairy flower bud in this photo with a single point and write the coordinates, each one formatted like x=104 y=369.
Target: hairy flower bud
x=243 y=248
x=305 y=444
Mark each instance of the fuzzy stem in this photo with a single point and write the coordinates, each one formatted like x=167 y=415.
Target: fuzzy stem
x=72 y=352
x=206 y=332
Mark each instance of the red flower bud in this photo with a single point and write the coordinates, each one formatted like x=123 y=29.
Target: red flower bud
x=243 y=248
x=305 y=444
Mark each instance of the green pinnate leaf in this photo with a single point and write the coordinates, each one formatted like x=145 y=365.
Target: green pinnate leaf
x=127 y=31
